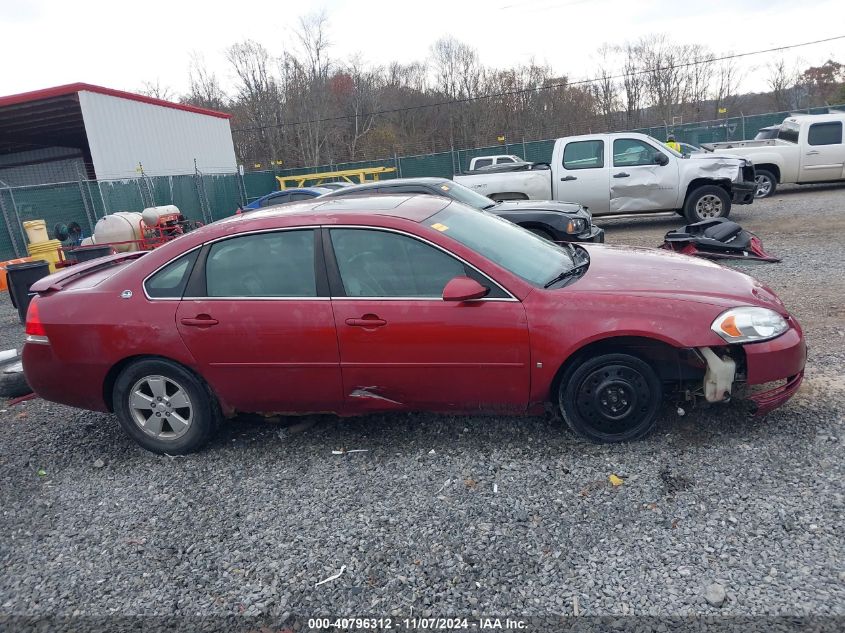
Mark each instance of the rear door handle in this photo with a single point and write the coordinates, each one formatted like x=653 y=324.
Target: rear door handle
x=621 y=174
x=368 y=320
x=201 y=320
x=813 y=153
x=565 y=178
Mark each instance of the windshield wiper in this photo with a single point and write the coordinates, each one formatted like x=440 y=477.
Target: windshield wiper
x=568 y=273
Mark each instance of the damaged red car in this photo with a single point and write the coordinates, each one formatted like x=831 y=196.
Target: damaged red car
x=398 y=303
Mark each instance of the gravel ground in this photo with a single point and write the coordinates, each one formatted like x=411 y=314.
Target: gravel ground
x=448 y=516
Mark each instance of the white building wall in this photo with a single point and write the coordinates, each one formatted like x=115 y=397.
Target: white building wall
x=123 y=133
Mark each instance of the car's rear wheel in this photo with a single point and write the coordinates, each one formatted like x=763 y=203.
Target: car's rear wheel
x=709 y=201
x=610 y=398
x=164 y=407
x=767 y=184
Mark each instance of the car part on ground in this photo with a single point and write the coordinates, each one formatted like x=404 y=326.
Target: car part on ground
x=717 y=238
x=393 y=303
x=12 y=380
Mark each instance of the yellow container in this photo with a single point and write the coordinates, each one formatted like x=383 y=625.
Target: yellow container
x=36 y=231
x=48 y=251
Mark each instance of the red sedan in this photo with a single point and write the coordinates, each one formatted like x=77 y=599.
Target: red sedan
x=396 y=303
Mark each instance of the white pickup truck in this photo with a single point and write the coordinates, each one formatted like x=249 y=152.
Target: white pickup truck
x=809 y=148
x=624 y=173
x=480 y=162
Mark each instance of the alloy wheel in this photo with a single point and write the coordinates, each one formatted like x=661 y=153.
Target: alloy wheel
x=161 y=407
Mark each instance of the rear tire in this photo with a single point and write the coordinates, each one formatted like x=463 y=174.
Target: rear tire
x=707 y=202
x=610 y=398
x=164 y=407
x=767 y=184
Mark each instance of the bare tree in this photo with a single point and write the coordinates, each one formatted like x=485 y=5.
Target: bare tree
x=605 y=89
x=203 y=87
x=782 y=80
x=156 y=90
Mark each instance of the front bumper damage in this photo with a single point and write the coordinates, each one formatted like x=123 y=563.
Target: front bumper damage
x=743 y=192
x=780 y=359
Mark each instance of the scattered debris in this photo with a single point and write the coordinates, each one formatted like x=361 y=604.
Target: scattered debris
x=681 y=412
x=41 y=472
x=576 y=610
x=592 y=487
x=715 y=594
x=445 y=483
x=470 y=483
x=14 y=401
x=431 y=452
x=495 y=488
x=334 y=577
x=674 y=483
x=344 y=451
x=99 y=463
x=615 y=480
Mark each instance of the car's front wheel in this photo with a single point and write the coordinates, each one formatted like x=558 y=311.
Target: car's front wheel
x=610 y=398
x=709 y=201
x=164 y=407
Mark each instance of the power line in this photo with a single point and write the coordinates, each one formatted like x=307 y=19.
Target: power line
x=565 y=84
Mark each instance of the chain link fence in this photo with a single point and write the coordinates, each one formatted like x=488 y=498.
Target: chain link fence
x=207 y=197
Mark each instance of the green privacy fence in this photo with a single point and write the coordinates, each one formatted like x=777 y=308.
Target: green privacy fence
x=210 y=197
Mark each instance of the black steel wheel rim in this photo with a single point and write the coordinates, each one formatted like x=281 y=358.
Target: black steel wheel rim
x=614 y=399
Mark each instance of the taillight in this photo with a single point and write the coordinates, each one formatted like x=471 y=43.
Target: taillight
x=35 y=332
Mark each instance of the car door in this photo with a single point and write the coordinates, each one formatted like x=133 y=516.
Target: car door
x=258 y=320
x=583 y=175
x=403 y=347
x=637 y=182
x=824 y=153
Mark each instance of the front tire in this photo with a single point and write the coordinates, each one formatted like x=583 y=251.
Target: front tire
x=767 y=184
x=707 y=202
x=164 y=407
x=610 y=398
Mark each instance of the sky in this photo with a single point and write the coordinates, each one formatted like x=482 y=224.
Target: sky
x=121 y=44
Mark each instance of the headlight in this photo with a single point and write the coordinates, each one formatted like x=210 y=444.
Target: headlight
x=576 y=225
x=745 y=325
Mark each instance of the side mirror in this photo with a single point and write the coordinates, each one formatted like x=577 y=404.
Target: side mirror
x=463 y=289
x=661 y=159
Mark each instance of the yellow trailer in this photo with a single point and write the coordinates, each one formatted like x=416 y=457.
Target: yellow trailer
x=365 y=174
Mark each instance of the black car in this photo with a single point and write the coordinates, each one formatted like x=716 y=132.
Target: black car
x=555 y=221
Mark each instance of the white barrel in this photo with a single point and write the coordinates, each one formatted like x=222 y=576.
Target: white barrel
x=123 y=226
x=151 y=215
x=87 y=241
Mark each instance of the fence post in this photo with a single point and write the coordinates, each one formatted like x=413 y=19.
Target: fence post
x=15 y=246
x=397 y=163
x=524 y=151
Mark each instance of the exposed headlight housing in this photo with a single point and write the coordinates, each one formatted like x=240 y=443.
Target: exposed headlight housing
x=749 y=324
x=574 y=226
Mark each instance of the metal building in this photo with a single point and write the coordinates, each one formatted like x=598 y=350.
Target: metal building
x=83 y=131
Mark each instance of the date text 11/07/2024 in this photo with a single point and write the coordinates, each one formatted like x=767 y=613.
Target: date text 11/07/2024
x=416 y=624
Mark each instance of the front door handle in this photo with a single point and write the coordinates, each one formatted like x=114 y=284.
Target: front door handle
x=621 y=174
x=368 y=320
x=565 y=178
x=201 y=321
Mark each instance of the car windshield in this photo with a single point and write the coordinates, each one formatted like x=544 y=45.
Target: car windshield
x=532 y=258
x=465 y=194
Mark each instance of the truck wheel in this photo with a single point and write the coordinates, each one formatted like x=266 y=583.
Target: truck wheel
x=707 y=202
x=767 y=184
x=610 y=398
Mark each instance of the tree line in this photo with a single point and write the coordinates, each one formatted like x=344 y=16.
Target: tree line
x=307 y=107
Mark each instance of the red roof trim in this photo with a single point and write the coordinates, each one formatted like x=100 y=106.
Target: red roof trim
x=69 y=89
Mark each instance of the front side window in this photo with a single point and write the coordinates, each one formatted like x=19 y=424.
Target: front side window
x=630 y=152
x=384 y=264
x=275 y=264
x=583 y=155
x=825 y=133
x=170 y=281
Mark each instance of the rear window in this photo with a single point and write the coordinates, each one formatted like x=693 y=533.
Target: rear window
x=583 y=155
x=825 y=133
x=789 y=132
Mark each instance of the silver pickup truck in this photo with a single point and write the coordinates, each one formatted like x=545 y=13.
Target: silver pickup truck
x=624 y=173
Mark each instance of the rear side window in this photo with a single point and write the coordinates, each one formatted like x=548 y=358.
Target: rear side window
x=277 y=264
x=170 y=281
x=825 y=133
x=504 y=159
x=483 y=162
x=274 y=200
x=583 y=155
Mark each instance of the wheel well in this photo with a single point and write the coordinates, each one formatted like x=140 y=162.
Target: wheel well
x=508 y=195
x=114 y=372
x=701 y=182
x=769 y=167
x=534 y=225
x=672 y=364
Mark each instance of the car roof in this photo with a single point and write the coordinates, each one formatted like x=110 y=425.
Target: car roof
x=415 y=208
x=392 y=182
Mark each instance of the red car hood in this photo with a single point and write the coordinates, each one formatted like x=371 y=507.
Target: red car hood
x=651 y=272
